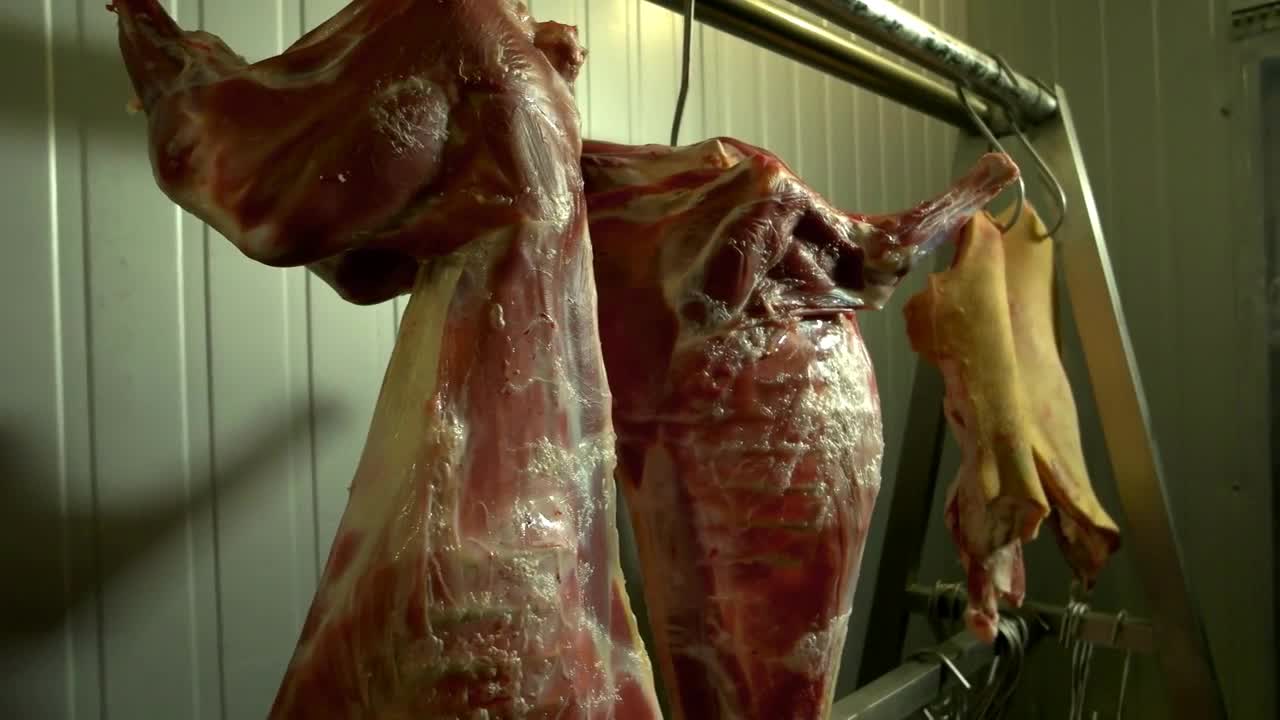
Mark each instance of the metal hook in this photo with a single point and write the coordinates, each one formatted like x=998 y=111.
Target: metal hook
x=1046 y=174
x=951 y=666
x=1124 y=672
x=683 y=95
x=1081 y=653
x=993 y=142
x=992 y=701
x=1115 y=629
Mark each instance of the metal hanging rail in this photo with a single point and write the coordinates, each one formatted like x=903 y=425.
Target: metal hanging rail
x=772 y=26
x=899 y=31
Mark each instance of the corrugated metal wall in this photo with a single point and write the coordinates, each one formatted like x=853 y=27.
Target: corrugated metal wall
x=1154 y=88
x=178 y=426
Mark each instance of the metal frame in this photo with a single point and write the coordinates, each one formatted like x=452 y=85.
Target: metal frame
x=772 y=26
x=1181 y=644
x=1096 y=628
x=916 y=683
x=1179 y=638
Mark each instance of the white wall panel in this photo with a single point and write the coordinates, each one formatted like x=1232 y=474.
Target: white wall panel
x=179 y=426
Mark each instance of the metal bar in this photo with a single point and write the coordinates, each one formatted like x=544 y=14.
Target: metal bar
x=916 y=683
x=1180 y=641
x=1096 y=628
x=910 y=499
x=773 y=27
x=899 y=31
x=1260 y=19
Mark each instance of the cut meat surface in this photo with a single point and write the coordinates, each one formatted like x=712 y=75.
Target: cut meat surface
x=319 y=180
x=475 y=570
x=748 y=420
x=988 y=324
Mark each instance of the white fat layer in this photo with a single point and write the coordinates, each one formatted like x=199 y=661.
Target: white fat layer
x=817 y=653
x=394 y=438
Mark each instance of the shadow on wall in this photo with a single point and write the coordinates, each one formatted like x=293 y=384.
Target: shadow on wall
x=55 y=559
x=84 y=72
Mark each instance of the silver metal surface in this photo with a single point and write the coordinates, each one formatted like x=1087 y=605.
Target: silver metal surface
x=1097 y=628
x=1180 y=642
x=777 y=28
x=904 y=690
x=899 y=31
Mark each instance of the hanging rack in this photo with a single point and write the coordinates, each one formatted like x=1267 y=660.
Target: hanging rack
x=1117 y=631
x=1003 y=101
x=774 y=27
x=903 y=691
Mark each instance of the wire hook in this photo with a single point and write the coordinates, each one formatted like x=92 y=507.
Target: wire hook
x=994 y=143
x=1124 y=672
x=1046 y=174
x=686 y=55
x=1115 y=628
x=948 y=664
x=1081 y=654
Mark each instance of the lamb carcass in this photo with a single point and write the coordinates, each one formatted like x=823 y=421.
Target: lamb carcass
x=475 y=571
x=988 y=324
x=748 y=420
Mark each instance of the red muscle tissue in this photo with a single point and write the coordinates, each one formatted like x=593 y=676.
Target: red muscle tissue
x=475 y=571
x=432 y=147
x=748 y=419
